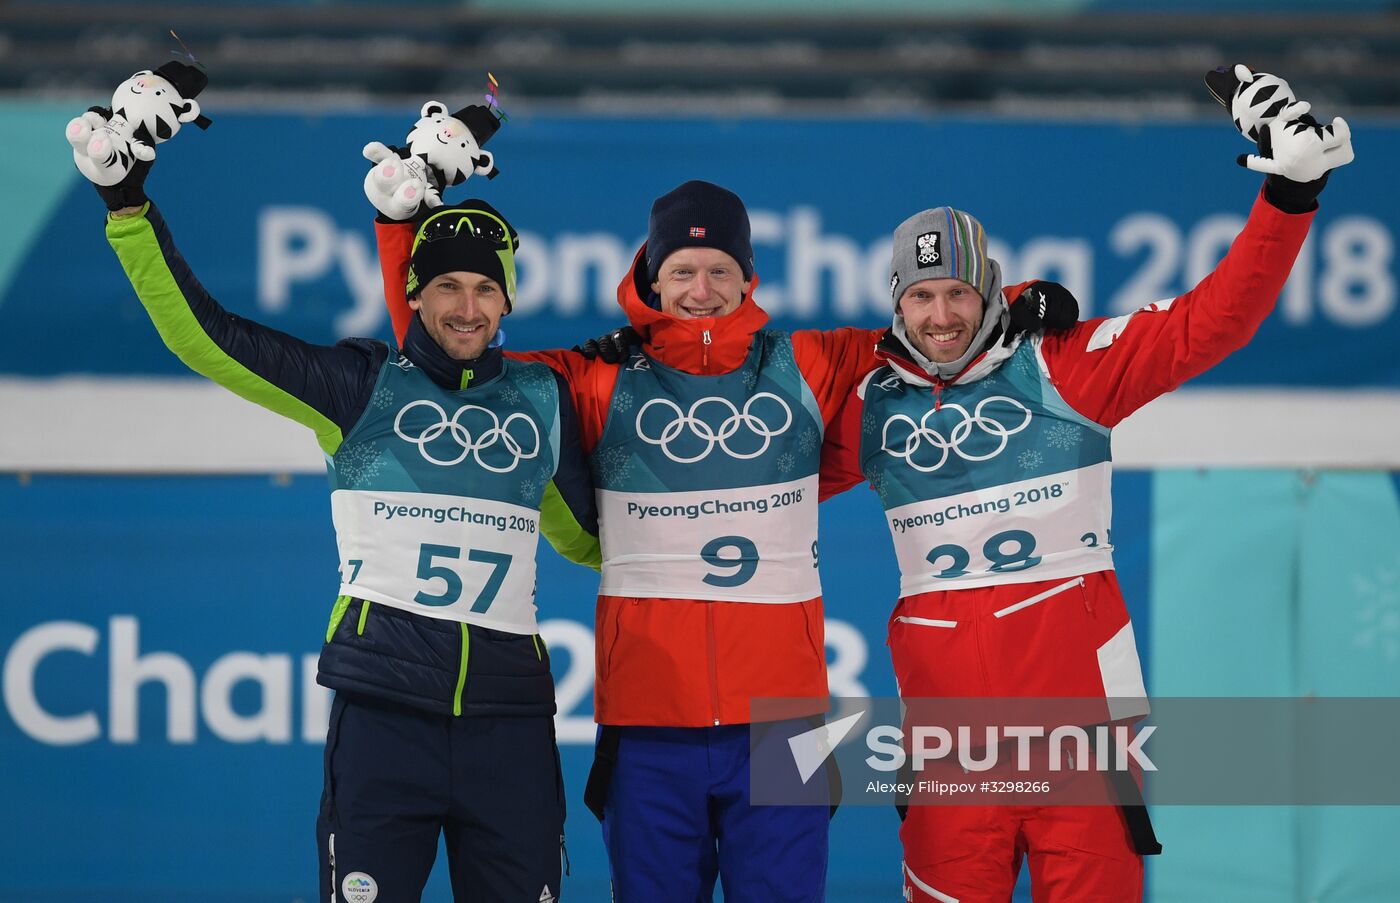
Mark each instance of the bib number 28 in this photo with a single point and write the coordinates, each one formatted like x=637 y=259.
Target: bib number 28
x=1007 y=551
x=452 y=581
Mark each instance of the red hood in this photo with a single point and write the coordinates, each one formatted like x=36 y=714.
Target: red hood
x=680 y=343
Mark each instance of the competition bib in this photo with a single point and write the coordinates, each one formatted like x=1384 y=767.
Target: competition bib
x=1001 y=482
x=444 y=556
x=436 y=494
x=1037 y=529
x=707 y=485
x=757 y=544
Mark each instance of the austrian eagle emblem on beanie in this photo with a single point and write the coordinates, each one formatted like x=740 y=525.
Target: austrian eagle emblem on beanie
x=927 y=252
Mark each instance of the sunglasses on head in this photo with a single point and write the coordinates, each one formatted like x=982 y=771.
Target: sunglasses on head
x=477 y=224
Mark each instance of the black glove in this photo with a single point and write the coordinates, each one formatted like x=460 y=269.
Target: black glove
x=1042 y=306
x=1294 y=197
x=613 y=348
x=130 y=191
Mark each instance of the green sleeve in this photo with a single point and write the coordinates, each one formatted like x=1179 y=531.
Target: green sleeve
x=321 y=387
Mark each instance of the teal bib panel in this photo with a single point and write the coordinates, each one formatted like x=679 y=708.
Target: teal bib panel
x=436 y=494
x=707 y=485
x=994 y=481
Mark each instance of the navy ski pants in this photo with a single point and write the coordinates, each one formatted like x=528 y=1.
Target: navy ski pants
x=397 y=777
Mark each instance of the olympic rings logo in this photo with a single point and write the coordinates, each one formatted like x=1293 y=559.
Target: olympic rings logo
x=921 y=432
x=712 y=436
x=470 y=444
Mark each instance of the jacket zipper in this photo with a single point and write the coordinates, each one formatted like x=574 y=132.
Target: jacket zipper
x=705 y=351
x=714 y=666
x=938 y=385
x=334 y=884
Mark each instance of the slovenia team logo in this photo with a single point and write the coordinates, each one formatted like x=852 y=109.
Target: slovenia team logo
x=979 y=436
x=472 y=430
x=359 y=888
x=689 y=436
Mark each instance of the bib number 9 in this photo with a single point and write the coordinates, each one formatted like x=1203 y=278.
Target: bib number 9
x=742 y=565
x=452 y=581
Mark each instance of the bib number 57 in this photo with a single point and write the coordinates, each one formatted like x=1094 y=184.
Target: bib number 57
x=452 y=581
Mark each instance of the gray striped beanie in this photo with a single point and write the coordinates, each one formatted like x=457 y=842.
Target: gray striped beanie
x=941 y=243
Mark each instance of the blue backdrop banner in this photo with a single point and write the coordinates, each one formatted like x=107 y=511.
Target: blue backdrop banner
x=269 y=211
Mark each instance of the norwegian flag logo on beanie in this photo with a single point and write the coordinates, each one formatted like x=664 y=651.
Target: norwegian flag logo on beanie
x=697 y=231
x=927 y=252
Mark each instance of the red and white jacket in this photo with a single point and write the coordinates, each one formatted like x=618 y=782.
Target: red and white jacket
x=1005 y=631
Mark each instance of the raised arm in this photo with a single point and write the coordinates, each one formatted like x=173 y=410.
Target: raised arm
x=395 y=240
x=1108 y=368
x=321 y=387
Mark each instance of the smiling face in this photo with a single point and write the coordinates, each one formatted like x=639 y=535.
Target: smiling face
x=146 y=82
x=699 y=282
x=461 y=312
x=450 y=131
x=941 y=317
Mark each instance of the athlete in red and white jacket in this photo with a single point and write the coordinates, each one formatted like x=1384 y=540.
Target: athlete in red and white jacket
x=993 y=467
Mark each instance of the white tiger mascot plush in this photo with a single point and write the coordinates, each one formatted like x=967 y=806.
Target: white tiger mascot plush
x=1254 y=99
x=442 y=150
x=147 y=109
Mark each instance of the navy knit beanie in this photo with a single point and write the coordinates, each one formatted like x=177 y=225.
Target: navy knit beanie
x=699 y=215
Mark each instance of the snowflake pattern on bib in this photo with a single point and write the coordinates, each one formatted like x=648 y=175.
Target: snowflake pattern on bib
x=1064 y=436
x=383 y=397
x=622 y=401
x=359 y=465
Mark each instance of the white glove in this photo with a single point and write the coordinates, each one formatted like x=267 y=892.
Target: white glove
x=399 y=187
x=1300 y=149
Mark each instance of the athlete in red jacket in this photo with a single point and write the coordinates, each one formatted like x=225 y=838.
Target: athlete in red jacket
x=993 y=468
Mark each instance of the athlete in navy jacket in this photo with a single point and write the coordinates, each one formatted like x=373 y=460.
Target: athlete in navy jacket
x=446 y=462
